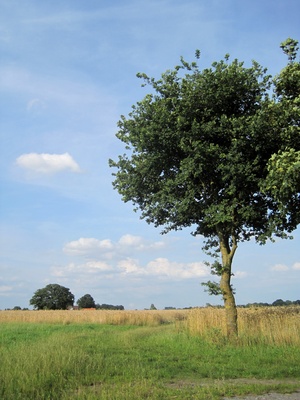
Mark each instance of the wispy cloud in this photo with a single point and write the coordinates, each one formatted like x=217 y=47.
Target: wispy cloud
x=76 y=270
x=35 y=105
x=284 y=268
x=5 y=290
x=47 y=163
x=279 y=268
x=296 y=266
x=58 y=94
x=129 y=12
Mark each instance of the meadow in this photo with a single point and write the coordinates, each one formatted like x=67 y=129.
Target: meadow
x=169 y=354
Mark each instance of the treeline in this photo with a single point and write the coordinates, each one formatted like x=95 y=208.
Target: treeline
x=276 y=303
x=108 y=307
x=97 y=307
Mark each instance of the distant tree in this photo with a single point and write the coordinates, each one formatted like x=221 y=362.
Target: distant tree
x=86 y=301
x=257 y=305
x=278 y=302
x=197 y=153
x=16 y=308
x=52 y=297
x=152 y=307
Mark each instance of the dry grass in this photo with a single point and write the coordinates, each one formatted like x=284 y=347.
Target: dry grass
x=273 y=325
x=278 y=325
x=114 y=317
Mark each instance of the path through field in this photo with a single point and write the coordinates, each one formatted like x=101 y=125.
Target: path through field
x=268 y=396
x=271 y=395
x=243 y=381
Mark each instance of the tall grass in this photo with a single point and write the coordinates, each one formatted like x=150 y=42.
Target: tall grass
x=272 y=325
x=111 y=317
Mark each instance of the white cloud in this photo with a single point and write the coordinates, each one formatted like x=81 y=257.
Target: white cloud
x=164 y=267
x=127 y=243
x=47 y=163
x=72 y=269
x=296 y=266
x=138 y=243
x=99 y=250
x=279 y=267
x=130 y=240
x=84 y=246
x=96 y=266
x=130 y=266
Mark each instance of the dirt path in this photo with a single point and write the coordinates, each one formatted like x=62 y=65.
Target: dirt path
x=268 y=396
x=244 y=381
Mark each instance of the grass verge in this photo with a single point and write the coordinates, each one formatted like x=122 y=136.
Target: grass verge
x=94 y=361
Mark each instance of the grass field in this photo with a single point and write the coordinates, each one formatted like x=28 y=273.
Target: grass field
x=147 y=354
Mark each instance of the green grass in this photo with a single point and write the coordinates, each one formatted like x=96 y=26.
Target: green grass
x=93 y=361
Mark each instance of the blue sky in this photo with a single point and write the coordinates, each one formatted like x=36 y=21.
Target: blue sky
x=67 y=72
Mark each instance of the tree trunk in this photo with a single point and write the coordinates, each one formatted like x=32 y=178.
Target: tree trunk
x=225 y=286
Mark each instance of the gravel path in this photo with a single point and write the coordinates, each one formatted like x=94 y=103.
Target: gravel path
x=268 y=396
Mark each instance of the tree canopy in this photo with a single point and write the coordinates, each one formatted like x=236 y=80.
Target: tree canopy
x=199 y=152
x=86 y=301
x=283 y=179
x=52 y=297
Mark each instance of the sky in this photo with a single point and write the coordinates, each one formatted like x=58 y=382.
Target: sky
x=67 y=73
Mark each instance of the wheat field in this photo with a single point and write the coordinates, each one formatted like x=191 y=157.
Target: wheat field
x=112 y=317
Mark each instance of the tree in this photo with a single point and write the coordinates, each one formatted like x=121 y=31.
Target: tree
x=197 y=150
x=283 y=179
x=52 y=297
x=86 y=301
x=278 y=302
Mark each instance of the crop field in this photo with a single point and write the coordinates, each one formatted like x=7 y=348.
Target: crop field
x=119 y=317
x=169 y=354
